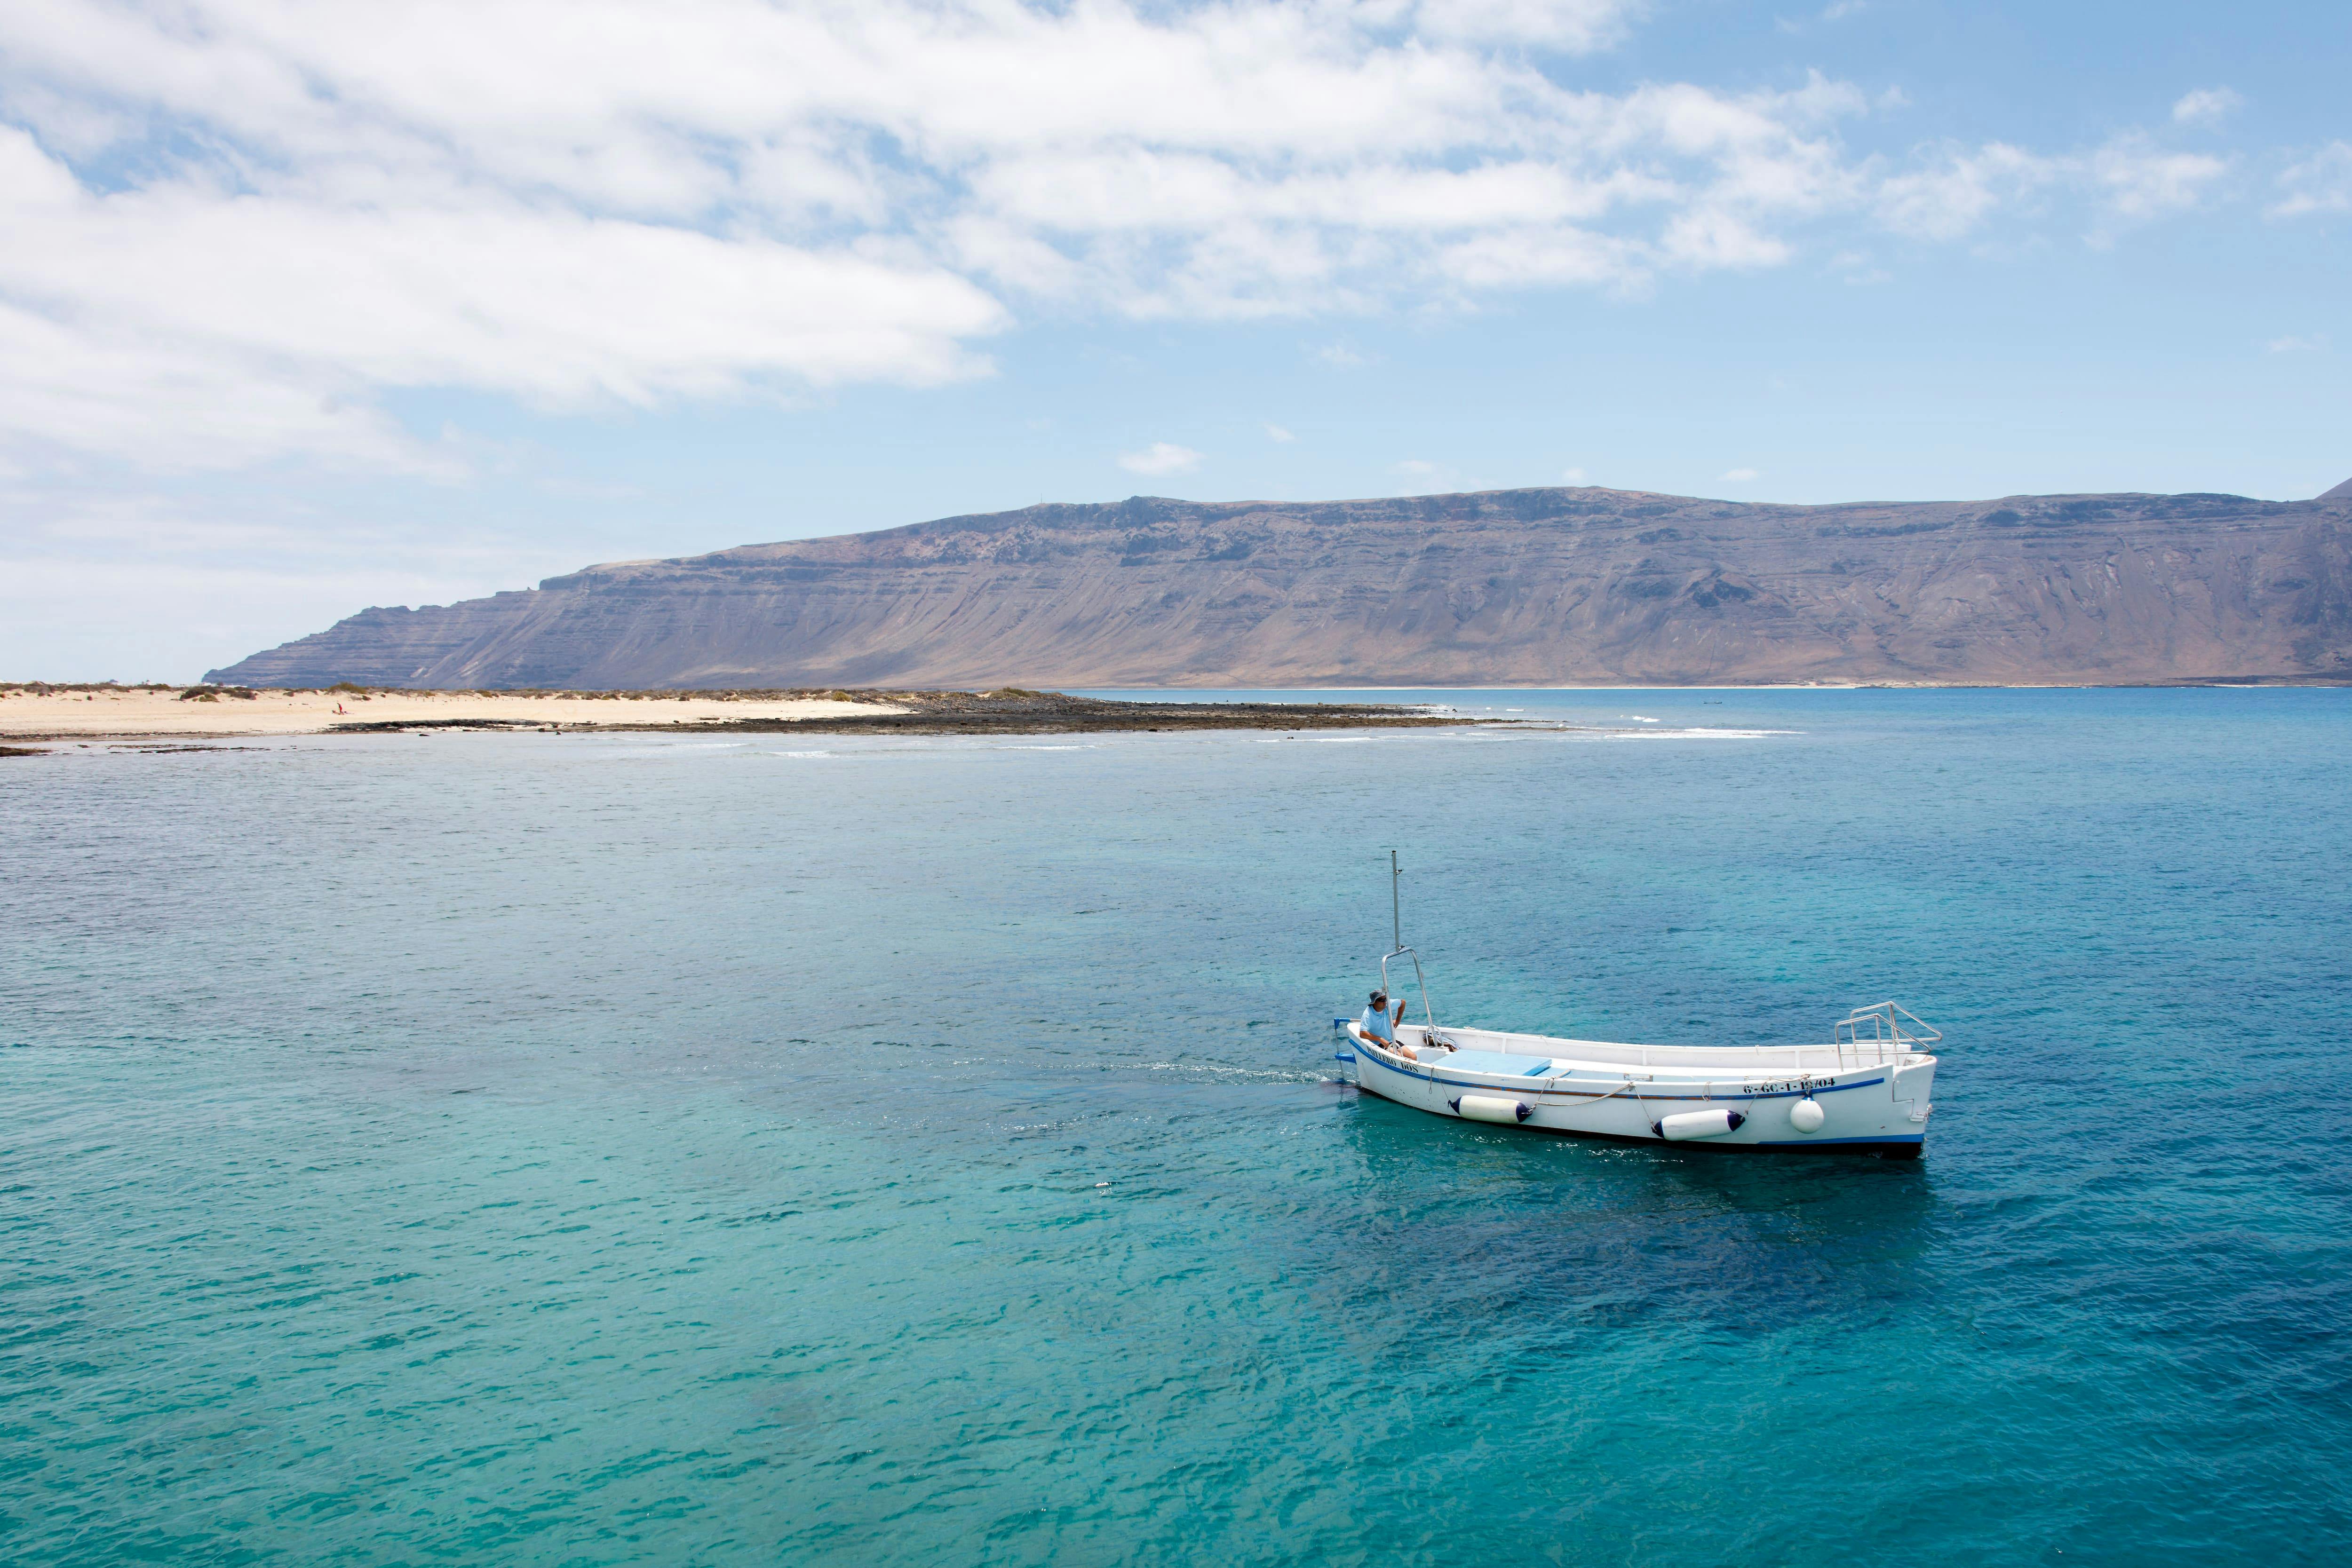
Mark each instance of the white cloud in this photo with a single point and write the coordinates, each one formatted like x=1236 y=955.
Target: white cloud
x=1159 y=459
x=209 y=330
x=2294 y=345
x=1958 y=190
x=1838 y=10
x=581 y=203
x=1418 y=476
x=2128 y=179
x=2319 y=184
x=2205 y=106
x=1571 y=476
x=235 y=225
x=1739 y=477
x=1276 y=433
x=1577 y=27
x=2139 y=180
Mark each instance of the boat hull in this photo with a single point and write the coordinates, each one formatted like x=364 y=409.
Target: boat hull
x=1877 y=1107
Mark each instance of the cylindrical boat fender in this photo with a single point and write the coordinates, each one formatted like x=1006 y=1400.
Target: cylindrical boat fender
x=1699 y=1125
x=1491 y=1108
x=1807 y=1115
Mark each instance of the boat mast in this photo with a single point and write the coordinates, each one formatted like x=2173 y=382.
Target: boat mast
x=1396 y=934
x=1396 y=910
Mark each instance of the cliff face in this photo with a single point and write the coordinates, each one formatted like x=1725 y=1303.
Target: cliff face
x=1508 y=588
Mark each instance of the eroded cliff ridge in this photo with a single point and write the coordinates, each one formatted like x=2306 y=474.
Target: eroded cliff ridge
x=1582 y=586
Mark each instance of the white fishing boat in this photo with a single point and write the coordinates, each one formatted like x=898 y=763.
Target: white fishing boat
x=1865 y=1090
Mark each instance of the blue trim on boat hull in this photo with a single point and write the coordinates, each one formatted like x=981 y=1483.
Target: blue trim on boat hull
x=1646 y=1095
x=1893 y=1148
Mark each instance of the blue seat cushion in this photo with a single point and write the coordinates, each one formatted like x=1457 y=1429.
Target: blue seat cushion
x=1498 y=1064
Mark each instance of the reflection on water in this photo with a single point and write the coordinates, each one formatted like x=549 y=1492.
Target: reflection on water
x=1539 y=1228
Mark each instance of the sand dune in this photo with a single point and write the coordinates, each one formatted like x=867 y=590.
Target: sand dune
x=151 y=712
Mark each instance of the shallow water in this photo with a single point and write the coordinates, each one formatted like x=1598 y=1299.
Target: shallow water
x=616 y=1150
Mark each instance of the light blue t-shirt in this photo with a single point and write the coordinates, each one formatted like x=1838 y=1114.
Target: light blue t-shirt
x=1375 y=1022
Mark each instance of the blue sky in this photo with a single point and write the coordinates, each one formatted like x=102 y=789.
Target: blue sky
x=305 y=312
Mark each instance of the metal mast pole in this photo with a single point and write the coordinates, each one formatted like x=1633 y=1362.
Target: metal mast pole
x=1396 y=911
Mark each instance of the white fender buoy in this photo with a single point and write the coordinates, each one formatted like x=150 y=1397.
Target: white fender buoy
x=1807 y=1115
x=1491 y=1108
x=1700 y=1124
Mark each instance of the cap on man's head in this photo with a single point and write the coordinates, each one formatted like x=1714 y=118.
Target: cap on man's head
x=1379 y=997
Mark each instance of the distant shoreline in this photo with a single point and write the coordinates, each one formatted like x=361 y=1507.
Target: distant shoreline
x=2188 y=682
x=37 y=711
x=42 y=712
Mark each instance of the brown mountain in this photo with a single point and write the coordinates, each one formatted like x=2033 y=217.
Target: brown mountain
x=1544 y=586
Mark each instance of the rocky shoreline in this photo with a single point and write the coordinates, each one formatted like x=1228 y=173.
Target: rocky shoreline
x=1009 y=711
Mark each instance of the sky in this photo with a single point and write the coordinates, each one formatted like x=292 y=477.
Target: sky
x=305 y=309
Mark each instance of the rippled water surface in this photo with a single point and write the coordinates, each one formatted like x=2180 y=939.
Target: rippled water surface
x=583 y=1150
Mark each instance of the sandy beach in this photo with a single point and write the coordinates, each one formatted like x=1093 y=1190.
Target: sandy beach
x=145 y=713
x=31 y=712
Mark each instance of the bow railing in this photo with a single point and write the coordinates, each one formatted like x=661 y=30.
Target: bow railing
x=1882 y=1031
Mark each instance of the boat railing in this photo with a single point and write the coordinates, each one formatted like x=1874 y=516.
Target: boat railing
x=1880 y=1032
x=1429 y=1018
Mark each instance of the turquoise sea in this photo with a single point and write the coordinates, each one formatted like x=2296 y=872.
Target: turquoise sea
x=576 y=1150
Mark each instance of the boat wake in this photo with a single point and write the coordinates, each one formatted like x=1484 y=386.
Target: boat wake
x=1209 y=1070
x=1696 y=733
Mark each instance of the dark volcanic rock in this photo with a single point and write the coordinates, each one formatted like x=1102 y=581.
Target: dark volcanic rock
x=1508 y=588
x=1009 y=712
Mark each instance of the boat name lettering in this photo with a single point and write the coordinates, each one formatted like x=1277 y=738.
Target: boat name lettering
x=1804 y=1085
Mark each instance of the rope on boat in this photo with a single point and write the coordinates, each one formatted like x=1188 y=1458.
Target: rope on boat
x=1555 y=1087
x=1591 y=1099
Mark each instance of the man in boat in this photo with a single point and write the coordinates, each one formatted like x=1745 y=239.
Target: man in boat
x=1378 y=1023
